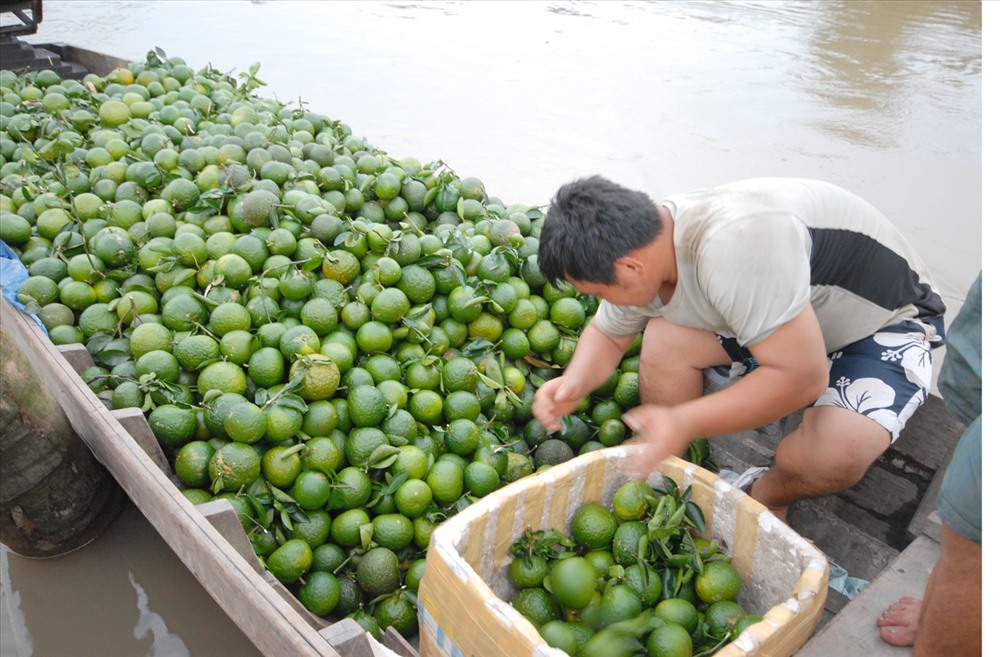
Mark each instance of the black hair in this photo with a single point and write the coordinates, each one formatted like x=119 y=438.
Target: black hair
x=591 y=223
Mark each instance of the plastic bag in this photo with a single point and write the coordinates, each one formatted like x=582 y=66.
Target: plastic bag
x=12 y=274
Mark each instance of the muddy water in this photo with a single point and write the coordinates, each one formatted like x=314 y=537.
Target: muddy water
x=126 y=593
x=884 y=98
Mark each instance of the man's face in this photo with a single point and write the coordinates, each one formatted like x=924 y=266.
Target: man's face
x=632 y=287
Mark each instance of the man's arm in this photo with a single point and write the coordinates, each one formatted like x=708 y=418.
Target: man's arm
x=594 y=360
x=792 y=372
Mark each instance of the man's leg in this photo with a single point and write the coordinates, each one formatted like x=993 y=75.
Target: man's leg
x=673 y=360
x=949 y=621
x=828 y=453
x=876 y=384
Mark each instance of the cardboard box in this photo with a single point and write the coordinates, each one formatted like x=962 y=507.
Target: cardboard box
x=464 y=607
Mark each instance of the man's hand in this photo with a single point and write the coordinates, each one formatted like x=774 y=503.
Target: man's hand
x=554 y=399
x=594 y=359
x=660 y=432
x=792 y=373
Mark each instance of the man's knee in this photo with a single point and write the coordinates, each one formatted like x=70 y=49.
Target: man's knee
x=672 y=361
x=668 y=346
x=832 y=450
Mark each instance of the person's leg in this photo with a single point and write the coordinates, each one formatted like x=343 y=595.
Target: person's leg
x=875 y=386
x=828 y=453
x=673 y=360
x=951 y=616
x=949 y=620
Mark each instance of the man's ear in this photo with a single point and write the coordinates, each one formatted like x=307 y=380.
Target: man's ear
x=629 y=267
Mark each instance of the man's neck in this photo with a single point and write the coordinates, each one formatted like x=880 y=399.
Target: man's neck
x=667 y=256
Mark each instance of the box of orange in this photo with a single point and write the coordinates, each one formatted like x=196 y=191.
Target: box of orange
x=464 y=597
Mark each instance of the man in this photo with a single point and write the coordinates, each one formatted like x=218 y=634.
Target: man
x=949 y=620
x=804 y=286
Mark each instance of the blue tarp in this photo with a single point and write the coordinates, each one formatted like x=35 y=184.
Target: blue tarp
x=12 y=274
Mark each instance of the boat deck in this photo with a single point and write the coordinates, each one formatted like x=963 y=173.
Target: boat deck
x=852 y=632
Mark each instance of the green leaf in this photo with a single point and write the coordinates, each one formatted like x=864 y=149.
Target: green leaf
x=292 y=450
x=659 y=514
x=311 y=263
x=695 y=516
x=281 y=496
x=677 y=516
x=64 y=239
x=662 y=533
x=337 y=499
x=366 y=535
x=293 y=401
x=397 y=481
x=208 y=361
x=383 y=457
x=490 y=382
x=258 y=509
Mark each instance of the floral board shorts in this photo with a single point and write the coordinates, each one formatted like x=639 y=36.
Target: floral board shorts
x=885 y=376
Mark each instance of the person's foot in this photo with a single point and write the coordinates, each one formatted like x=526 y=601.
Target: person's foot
x=898 y=624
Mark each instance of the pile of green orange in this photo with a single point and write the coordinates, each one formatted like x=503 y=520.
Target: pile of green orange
x=634 y=579
x=343 y=344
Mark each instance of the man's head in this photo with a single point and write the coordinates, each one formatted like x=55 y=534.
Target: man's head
x=591 y=224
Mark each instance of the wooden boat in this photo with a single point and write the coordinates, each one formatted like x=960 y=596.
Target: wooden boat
x=883 y=530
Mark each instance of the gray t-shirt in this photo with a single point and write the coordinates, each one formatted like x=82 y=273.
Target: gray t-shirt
x=750 y=254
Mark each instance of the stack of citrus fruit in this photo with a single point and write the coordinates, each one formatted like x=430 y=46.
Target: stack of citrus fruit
x=634 y=578
x=343 y=344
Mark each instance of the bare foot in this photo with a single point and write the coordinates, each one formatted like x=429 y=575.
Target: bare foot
x=898 y=624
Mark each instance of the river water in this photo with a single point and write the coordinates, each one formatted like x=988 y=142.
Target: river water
x=884 y=98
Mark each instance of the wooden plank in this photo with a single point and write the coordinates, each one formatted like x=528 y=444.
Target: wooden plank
x=853 y=633
x=928 y=438
x=350 y=638
x=928 y=505
x=835 y=603
x=134 y=422
x=932 y=526
x=77 y=356
x=259 y=611
x=393 y=640
x=223 y=517
x=132 y=419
